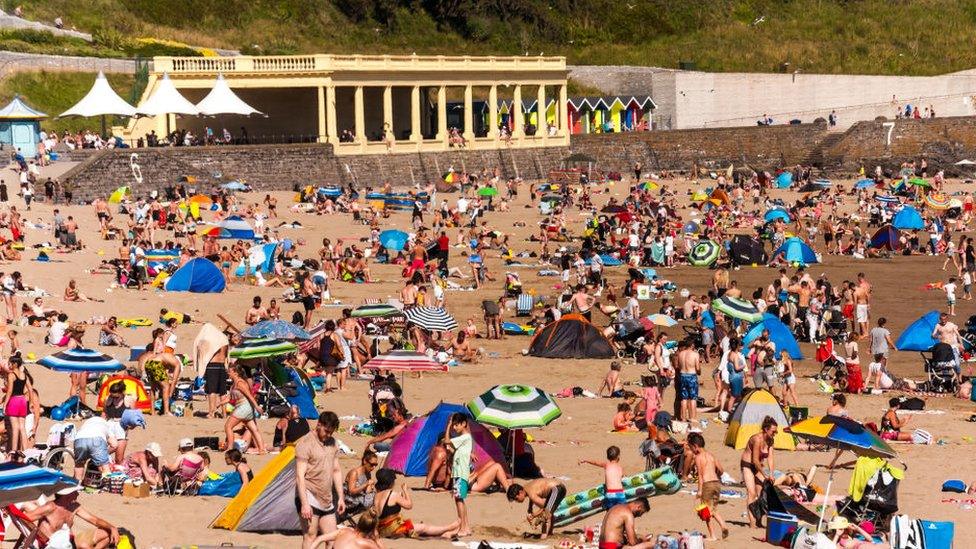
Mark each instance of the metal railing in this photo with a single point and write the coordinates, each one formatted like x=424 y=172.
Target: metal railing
x=326 y=62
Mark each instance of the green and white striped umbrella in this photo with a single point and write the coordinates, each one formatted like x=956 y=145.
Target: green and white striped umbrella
x=737 y=308
x=262 y=348
x=515 y=407
x=704 y=253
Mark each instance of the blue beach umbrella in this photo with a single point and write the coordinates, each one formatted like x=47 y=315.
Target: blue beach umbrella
x=20 y=483
x=864 y=184
x=275 y=329
x=81 y=360
x=393 y=239
x=778 y=334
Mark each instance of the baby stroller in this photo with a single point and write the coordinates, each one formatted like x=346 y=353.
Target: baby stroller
x=694 y=334
x=630 y=338
x=385 y=396
x=834 y=368
x=834 y=325
x=878 y=502
x=940 y=365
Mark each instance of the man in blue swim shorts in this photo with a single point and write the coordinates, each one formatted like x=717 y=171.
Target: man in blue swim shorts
x=688 y=364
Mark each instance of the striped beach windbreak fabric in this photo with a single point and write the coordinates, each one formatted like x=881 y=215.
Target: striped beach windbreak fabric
x=434 y=319
x=405 y=361
x=81 y=360
x=704 y=253
x=262 y=348
x=515 y=407
x=379 y=310
x=737 y=308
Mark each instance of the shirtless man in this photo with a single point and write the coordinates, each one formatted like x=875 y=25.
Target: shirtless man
x=617 y=530
x=56 y=518
x=545 y=494
x=272 y=204
x=583 y=301
x=226 y=260
x=408 y=295
x=709 y=483
x=948 y=332
x=688 y=364
x=102 y=212
x=256 y=313
x=862 y=300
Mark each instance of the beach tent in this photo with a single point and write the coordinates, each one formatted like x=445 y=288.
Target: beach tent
x=260 y=257
x=221 y=100
x=747 y=418
x=199 y=275
x=267 y=503
x=120 y=194
x=237 y=228
x=746 y=250
x=779 y=334
x=160 y=259
x=572 y=336
x=166 y=100
x=100 y=100
x=886 y=238
x=795 y=250
x=133 y=386
x=776 y=213
x=908 y=218
x=918 y=335
x=411 y=448
x=784 y=180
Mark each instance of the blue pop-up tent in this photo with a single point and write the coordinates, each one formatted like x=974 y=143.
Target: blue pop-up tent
x=918 y=335
x=908 y=218
x=784 y=180
x=887 y=238
x=260 y=257
x=199 y=275
x=236 y=227
x=776 y=213
x=778 y=334
x=795 y=250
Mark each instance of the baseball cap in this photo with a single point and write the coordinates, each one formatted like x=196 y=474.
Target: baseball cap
x=69 y=490
x=186 y=443
x=154 y=449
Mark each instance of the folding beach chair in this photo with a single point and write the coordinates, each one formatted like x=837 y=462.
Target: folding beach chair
x=523 y=307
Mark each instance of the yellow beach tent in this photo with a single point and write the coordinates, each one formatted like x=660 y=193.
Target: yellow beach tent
x=267 y=503
x=747 y=420
x=118 y=195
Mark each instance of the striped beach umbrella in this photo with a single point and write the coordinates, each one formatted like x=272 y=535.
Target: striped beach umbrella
x=737 y=308
x=81 y=360
x=375 y=311
x=887 y=199
x=704 y=253
x=405 y=361
x=515 y=407
x=275 y=329
x=262 y=348
x=435 y=319
x=937 y=201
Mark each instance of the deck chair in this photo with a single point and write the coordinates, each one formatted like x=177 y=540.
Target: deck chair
x=523 y=307
x=29 y=535
x=181 y=483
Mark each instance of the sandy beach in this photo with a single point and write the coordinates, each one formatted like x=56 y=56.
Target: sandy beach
x=583 y=431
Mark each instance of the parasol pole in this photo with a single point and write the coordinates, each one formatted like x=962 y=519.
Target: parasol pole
x=830 y=481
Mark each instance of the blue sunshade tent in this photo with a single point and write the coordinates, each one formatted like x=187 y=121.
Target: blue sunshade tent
x=260 y=257
x=908 y=219
x=784 y=180
x=20 y=483
x=393 y=239
x=199 y=275
x=918 y=335
x=887 y=238
x=795 y=250
x=81 y=360
x=236 y=227
x=776 y=213
x=778 y=334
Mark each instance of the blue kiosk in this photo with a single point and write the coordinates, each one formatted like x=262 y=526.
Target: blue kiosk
x=20 y=127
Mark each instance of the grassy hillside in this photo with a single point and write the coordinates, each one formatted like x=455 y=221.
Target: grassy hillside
x=831 y=36
x=54 y=92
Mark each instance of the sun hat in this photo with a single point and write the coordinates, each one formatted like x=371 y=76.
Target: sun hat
x=154 y=449
x=69 y=490
x=185 y=443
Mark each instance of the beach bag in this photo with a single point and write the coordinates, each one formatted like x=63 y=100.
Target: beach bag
x=906 y=533
x=938 y=535
x=954 y=485
x=913 y=404
x=921 y=436
x=804 y=539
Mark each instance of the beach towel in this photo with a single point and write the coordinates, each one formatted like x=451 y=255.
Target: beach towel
x=130 y=322
x=208 y=341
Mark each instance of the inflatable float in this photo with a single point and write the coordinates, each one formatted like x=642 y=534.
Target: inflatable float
x=574 y=507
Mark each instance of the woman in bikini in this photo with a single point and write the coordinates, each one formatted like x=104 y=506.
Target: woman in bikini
x=15 y=403
x=758 y=451
x=388 y=504
x=891 y=424
x=246 y=411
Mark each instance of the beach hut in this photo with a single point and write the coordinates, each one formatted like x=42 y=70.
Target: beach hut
x=575 y=107
x=572 y=336
x=616 y=107
x=199 y=275
x=637 y=115
x=20 y=126
x=747 y=418
x=410 y=449
x=267 y=503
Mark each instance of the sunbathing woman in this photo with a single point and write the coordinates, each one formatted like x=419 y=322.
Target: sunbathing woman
x=71 y=293
x=891 y=424
x=389 y=502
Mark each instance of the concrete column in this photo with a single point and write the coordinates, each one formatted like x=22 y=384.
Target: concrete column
x=331 y=123
x=322 y=136
x=562 y=111
x=468 y=114
x=540 y=112
x=442 y=114
x=360 y=114
x=493 y=111
x=388 y=111
x=518 y=123
x=415 y=135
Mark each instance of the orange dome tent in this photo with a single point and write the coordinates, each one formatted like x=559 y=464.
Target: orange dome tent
x=132 y=387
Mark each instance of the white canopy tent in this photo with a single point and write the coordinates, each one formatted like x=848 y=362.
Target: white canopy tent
x=166 y=100
x=221 y=100
x=101 y=100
